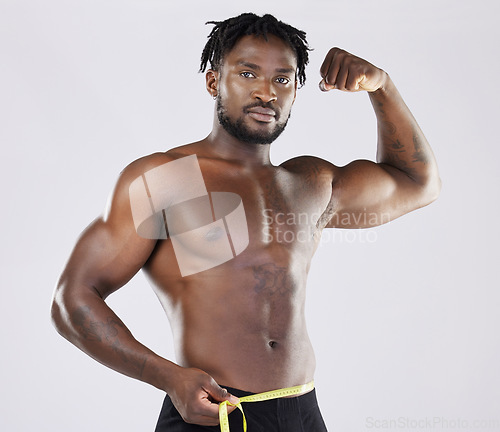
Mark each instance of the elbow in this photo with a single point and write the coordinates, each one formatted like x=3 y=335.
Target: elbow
x=431 y=190
x=435 y=189
x=56 y=312
x=68 y=306
x=59 y=315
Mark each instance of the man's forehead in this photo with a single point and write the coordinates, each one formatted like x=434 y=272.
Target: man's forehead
x=256 y=51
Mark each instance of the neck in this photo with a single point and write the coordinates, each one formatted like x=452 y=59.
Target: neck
x=224 y=145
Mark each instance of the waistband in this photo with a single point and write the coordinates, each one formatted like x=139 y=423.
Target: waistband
x=303 y=392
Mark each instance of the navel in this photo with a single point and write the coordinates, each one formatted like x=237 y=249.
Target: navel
x=273 y=344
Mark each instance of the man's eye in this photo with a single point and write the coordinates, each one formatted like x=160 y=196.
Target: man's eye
x=247 y=74
x=282 y=80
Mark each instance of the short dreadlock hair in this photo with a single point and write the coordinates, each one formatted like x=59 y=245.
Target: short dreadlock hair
x=225 y=34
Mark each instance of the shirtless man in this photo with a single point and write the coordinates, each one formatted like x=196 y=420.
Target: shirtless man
x=239 y=325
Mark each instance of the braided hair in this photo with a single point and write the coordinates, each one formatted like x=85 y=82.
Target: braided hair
x=225 y=34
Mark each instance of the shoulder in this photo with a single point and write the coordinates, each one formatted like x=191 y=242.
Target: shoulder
x=146 y=163
x=311 y=167
x=120 y=195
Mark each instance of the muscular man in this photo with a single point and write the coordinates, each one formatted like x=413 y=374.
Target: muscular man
x=205 y=222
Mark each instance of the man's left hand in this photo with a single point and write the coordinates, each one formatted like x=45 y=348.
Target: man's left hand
x=343 y=71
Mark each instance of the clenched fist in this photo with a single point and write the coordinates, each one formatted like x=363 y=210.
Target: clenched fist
x=343 y=71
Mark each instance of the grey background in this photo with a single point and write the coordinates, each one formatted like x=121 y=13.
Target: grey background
x=404 y=318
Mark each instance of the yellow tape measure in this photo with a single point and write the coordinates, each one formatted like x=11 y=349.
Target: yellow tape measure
x=259 y=397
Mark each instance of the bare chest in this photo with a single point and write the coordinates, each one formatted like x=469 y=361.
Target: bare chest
x=243 y=219
x=279 y=208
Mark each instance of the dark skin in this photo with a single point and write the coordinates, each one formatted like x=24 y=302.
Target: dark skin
x=241 y=324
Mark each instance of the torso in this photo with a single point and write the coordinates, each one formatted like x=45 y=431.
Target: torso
x=243 y=321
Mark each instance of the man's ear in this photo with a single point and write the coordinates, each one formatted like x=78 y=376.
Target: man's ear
x=212 y=82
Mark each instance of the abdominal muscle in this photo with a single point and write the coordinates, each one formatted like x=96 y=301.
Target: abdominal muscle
x=242 y=324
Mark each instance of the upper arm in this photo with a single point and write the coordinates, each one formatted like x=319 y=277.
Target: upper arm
x=367 y=194
x=109 y=252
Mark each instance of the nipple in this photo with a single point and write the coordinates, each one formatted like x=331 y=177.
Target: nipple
x=214 y=234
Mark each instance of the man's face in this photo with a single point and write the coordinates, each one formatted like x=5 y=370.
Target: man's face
x=256 y=89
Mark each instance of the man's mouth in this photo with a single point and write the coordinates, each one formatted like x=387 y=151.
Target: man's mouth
x=266 y=115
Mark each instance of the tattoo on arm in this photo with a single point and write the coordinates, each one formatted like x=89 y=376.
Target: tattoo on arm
x=419 y=154
x=378 y=106
x=106 y=332
x=389 y=128
x=401 y=143
x=89 y=330
x=396 y=145
x=394 y=159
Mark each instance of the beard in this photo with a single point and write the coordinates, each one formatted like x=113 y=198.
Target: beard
x=240 y=131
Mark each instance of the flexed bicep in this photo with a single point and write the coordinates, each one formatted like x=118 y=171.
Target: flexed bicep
x=367 y=194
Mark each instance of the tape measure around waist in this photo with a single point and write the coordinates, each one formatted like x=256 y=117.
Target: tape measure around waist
x=259 y=397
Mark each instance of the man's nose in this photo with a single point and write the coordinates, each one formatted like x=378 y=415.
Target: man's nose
x=264 y=91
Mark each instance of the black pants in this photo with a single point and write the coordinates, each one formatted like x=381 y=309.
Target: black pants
x=297 y=414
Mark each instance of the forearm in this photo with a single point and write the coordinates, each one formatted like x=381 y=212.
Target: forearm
x=87 y=322
x=401 y=142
